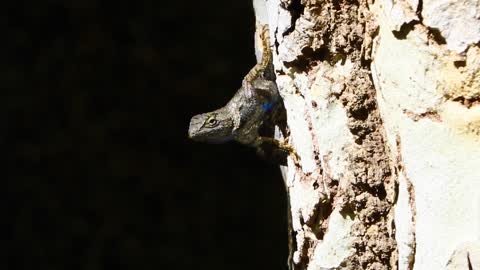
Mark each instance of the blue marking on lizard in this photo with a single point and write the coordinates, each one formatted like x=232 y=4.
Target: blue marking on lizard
x=268 y=106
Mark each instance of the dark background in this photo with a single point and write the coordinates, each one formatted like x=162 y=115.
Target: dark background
x=95 y=105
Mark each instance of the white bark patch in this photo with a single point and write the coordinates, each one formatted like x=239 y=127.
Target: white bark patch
x=292 y=45
x=336 y=245
x=457 y=20
x=330 y=122
x=261 y=11
x=466 y=256
x=405 y=67
x=417 y=84
x=405 y=229
x=297 y=122
x=400 y=12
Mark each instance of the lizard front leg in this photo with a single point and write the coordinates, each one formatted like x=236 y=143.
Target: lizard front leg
x=283 y=145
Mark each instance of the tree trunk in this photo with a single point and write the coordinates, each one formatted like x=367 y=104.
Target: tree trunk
x=383 y=108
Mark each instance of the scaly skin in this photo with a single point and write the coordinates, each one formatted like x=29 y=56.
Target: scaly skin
x=256 y=105
x=243 y=115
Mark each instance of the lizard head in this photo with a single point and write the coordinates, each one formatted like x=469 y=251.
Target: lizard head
x=213 y=127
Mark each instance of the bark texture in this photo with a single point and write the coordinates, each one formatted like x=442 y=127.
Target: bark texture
x=383 y=107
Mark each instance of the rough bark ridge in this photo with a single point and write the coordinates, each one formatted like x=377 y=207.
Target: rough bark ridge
x=341 y=197
x=364 y=85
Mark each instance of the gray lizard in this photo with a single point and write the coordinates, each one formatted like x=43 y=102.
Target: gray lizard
x=256 y=104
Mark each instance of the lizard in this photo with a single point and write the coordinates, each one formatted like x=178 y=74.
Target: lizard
x=253 y=105
x=256 y=105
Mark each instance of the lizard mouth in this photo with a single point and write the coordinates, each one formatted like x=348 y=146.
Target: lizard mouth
x=191 y=129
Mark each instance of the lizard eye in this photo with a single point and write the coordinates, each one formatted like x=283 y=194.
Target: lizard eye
x=211 y=122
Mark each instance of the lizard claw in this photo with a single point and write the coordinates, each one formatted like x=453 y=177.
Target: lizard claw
x=283 y=146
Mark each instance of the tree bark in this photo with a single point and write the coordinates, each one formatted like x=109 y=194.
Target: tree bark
x=383 y=108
